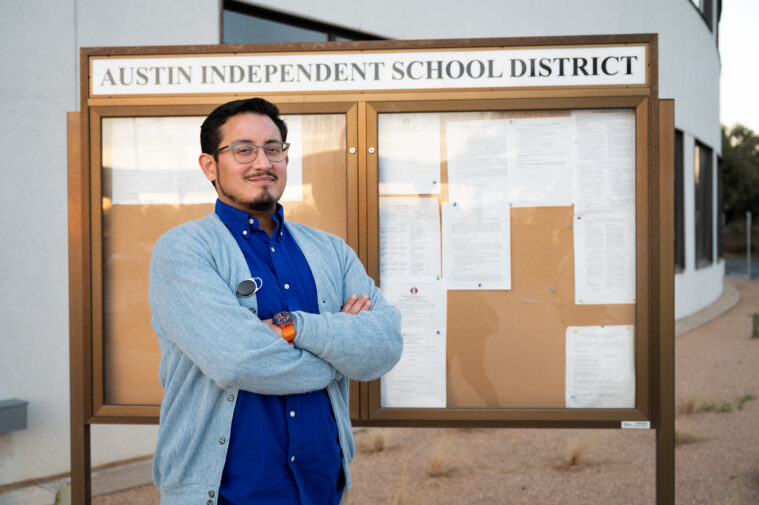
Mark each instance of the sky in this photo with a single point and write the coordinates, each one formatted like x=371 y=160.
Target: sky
x=739 y=51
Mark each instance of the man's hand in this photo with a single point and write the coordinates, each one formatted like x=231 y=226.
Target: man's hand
x=356 y=304
x=273 y=327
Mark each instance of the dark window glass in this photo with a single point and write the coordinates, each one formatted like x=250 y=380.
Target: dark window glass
x=702 y=177
x=706 y=10
x=243 y=29
x=243 y=23
x=679 y=204
x=720 y=211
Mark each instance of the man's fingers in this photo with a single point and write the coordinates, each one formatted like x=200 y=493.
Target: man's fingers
x=349 y=304
x=356 y=304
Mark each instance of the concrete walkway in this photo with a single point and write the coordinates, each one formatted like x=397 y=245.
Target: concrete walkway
x=105 y=481
x=727 y=300
x=138 y=473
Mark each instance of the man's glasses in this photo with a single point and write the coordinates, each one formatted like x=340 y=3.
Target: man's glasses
x=245 y=152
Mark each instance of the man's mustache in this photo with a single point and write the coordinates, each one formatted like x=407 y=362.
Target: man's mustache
x=270 y=173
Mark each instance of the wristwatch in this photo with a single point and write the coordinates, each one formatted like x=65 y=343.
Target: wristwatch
x=285 y=321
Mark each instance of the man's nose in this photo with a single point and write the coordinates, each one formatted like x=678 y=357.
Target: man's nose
x=261 y=160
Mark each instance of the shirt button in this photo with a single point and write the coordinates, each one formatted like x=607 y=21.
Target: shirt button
x=250 y=221
x=292 y=458
x=245 y=232
x=230 y=397
x=272 y=249
x=222 y=440
x=209 y=502
x=211 y=493
x=287 y=286
x=292 y=413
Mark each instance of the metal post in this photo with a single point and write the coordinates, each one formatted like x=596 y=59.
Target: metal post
x=663 y=315
x=79 y=362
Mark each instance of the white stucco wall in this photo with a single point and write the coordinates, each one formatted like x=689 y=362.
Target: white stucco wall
x=38 y=85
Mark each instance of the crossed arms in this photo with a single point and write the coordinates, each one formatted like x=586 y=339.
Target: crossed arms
x=196 y=311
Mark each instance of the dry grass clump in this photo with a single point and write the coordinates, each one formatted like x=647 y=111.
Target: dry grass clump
x=688 y=405
x=375 y=440
x=684 y=436
x=576 y=449
x=440 y=463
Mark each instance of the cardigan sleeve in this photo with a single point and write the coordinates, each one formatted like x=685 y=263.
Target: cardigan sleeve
x=193 y=307
x=362 y=346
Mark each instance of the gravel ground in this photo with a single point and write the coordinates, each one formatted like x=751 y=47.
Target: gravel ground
x=717 y=451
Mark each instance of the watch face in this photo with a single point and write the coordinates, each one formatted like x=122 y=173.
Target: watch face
x=283 y=317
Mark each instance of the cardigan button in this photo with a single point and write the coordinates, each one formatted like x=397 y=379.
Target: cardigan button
x=230 y=397
x=211 y=493
x=222 y=440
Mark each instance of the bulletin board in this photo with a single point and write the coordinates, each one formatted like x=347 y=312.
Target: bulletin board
x=534 y=344
x=529 y=339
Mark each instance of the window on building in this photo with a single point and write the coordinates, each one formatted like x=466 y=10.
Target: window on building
x=248 y=24
x=679 y=204
x=704 y=7
x=702 y=177
x=720 y=211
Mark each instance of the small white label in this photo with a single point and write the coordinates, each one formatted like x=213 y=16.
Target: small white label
x=636 y=425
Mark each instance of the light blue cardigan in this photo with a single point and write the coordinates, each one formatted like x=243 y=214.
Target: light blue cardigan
x=213 y=344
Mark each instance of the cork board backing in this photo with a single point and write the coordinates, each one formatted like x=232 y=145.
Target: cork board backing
x=506 y=349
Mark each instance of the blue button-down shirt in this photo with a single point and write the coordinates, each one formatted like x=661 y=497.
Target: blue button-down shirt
x=283 y=449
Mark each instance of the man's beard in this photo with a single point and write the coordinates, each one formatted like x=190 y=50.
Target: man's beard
x=264 y=201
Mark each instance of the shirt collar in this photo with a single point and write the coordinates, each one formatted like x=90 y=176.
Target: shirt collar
x=241 y=222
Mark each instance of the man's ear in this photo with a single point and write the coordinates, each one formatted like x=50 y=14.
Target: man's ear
x=208 y=165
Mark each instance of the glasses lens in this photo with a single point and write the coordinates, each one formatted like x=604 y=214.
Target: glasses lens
x=245 y=153
x=276 y=151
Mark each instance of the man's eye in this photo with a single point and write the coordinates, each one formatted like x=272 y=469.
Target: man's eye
x=274 y=149
x=244 y=150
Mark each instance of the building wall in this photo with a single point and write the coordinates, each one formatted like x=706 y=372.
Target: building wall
x=40 y=83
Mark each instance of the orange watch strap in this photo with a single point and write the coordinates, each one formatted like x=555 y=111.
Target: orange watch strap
x=288 y=332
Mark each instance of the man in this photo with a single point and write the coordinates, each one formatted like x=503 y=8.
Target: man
x=260 y=327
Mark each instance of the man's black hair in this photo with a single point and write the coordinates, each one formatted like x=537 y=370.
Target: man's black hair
x=210 y=130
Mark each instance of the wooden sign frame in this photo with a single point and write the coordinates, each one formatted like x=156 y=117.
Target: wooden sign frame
x=654 y=309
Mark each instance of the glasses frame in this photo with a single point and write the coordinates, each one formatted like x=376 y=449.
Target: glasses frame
x=231 y=147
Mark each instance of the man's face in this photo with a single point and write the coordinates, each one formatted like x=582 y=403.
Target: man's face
x=254 y=186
